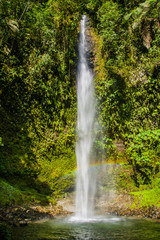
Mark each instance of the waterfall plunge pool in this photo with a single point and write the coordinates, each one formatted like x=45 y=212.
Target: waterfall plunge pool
x=100 y=228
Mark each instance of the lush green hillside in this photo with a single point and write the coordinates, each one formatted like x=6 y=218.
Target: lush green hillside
x=38 y=94
x=128 y=83
x=127 y=40
x=38 y=56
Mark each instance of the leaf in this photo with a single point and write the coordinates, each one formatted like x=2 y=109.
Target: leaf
x=135 y=24
x=7 y=50
x=146 y=4
x=138 y=11
x=126 y=17
x=13 y=25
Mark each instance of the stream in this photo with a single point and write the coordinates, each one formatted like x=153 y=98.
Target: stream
x=100 y=228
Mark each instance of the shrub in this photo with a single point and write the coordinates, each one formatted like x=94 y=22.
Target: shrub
x=144 y=152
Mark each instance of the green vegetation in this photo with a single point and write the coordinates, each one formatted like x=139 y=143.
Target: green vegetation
x=143 y=154
x=38 y=95
x=38 y=55
x=146 y=198
x=127 y=43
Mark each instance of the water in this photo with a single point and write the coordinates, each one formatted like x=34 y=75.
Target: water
x=100 y=228
x=86 y=178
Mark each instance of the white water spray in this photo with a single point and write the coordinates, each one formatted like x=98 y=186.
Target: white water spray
x=86 y=179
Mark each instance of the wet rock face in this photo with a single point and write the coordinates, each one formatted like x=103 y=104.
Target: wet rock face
x=89 y=50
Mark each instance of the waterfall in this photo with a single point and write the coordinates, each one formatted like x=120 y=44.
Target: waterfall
x=86 y=177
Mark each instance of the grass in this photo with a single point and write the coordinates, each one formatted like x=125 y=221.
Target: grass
x=19 y=193
x=148 y=195
x=146 y=198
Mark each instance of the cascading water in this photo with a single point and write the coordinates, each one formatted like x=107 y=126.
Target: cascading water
x=86 y=178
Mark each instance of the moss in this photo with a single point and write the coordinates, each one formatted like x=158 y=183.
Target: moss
x=148 y=195
x=146 y=198
x=19 y=193
x=9 y=194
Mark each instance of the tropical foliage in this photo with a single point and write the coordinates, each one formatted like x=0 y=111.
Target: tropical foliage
x=128 y=92
x=38 y=97
x=38 y=56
